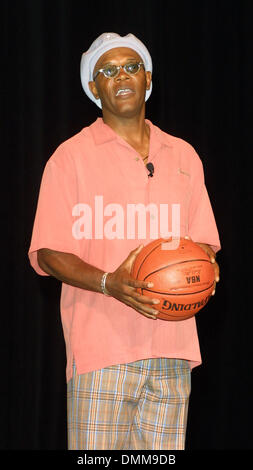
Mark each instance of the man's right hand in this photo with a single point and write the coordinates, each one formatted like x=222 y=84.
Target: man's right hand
x=123 y=287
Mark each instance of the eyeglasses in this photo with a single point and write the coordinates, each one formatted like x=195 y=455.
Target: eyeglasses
x=112 y=71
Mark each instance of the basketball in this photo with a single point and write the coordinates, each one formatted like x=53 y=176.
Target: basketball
x=183 y=277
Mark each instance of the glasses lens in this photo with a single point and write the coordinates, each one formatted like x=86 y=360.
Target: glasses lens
x=110 y=71
x=132 y=68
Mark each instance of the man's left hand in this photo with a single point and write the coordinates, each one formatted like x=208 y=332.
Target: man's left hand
x=212 y=256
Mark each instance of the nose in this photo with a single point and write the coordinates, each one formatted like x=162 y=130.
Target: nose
x=122 y=75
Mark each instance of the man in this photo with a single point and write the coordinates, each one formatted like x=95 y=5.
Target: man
x=128 y=373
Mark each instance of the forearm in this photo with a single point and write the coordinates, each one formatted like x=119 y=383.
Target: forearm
x=70 y=269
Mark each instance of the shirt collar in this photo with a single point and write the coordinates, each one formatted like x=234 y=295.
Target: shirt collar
x=102 y=133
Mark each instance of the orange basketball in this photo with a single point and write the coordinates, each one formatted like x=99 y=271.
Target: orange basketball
x=183 y=277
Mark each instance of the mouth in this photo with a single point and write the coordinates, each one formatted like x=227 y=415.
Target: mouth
x=124 y=91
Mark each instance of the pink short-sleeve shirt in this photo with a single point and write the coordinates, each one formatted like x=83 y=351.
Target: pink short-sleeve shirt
x=97 y=202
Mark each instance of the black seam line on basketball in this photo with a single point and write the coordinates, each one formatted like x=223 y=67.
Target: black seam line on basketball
x=174 y=264
x=149 y=253
x=171 y=317
x=186 y=293
x=176 y=316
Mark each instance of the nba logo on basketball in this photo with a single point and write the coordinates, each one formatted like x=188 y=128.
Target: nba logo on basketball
x=192 y=279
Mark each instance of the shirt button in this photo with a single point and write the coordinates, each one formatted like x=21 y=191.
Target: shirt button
x=137 y=159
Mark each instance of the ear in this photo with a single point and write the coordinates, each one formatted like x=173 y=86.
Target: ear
x=93 y=89
x=148 y=80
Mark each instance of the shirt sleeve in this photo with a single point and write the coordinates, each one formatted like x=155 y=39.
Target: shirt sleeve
x=53 y=220
x=202 y=225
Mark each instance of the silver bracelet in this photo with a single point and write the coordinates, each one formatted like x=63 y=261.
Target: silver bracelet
x=102 y=285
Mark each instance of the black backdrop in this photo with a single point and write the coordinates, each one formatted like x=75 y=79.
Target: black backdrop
x=201 y=53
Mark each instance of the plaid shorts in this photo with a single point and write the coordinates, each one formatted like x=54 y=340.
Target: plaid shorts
x=140 y=405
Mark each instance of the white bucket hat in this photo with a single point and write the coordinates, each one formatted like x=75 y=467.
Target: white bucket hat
x=104 y=43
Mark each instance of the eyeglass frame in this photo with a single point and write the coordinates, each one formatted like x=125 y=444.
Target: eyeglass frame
x=118 y=67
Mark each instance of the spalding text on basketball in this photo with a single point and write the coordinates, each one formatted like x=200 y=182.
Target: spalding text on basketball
x=173 y=306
